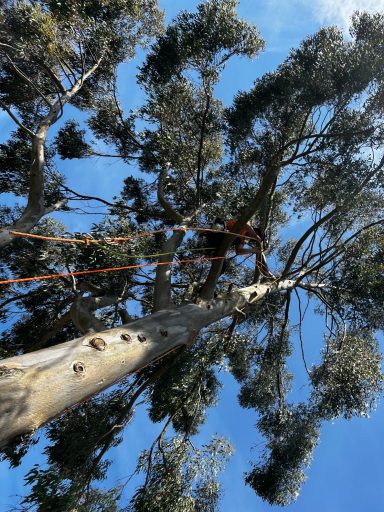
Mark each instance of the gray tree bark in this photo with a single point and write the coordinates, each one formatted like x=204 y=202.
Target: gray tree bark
x=39 y=386
x=35 y=209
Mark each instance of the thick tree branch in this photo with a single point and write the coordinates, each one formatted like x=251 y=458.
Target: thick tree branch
x=35 y=208
x=162 y=292
x=169 y=210
x=199 y=179
x=254 y=206
x=265 y=214
x=82 y=312
x=61 y=376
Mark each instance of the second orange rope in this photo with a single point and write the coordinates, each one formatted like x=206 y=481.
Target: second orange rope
x=112 y=269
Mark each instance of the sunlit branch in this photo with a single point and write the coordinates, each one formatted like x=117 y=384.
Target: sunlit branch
x=199 y=180
x=301 y=317
x=304 y=237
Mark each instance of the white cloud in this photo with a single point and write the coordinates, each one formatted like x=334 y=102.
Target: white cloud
x=339 y=12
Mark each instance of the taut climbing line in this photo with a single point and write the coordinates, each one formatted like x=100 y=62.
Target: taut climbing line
x=117 y=240
x=112 y=269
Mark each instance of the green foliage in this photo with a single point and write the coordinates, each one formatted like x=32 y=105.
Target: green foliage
x=70 y=141
x=190 y=106
x=292 y=435
x=15 y=451
x=188 y=390
x=323 y=70
x=349 y=380
x=241 y=351
x=84 y=429
x=316 y=121
x=270 y=378
x=66 y=38
x=65 y=482
x=180 y=478
x=202 y=41
x=109 y=125
x=15 y=162
x=53 y=494
x=357 y=283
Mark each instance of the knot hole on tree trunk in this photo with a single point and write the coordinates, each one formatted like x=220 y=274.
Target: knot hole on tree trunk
x=79 y=368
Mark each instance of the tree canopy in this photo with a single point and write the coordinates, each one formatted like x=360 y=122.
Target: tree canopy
x=303 y=147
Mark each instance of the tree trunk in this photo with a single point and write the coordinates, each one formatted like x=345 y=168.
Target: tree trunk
x=35 y=209
x=39 y=386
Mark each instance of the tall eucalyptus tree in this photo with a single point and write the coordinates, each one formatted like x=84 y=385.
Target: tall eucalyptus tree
x=304 y=143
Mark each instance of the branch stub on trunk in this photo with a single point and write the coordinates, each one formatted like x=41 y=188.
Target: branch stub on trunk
x=141 y=337
x=79 y=368
x=98 y=344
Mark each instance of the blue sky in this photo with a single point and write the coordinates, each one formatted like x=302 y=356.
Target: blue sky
x=347 y=471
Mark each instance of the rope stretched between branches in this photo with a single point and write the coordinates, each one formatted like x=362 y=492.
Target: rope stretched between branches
x=112 y=269
x=87 y=240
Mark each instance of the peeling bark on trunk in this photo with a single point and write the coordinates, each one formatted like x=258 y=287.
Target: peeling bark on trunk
x=39 y=386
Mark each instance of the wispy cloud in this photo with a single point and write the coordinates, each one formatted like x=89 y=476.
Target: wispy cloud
x=339 y=12
x=304 y=15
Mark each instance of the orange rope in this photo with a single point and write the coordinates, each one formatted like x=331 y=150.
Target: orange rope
x=113 y=269
x=88 y=241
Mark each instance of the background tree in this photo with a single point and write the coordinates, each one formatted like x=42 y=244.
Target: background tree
x=305 y=142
